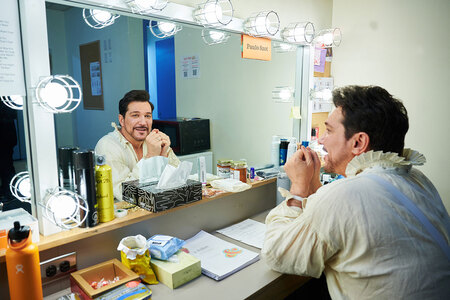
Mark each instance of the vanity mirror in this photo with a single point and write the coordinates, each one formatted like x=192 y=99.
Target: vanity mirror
x=235 y=94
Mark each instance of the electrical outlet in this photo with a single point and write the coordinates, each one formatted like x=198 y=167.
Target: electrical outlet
x=58 y=267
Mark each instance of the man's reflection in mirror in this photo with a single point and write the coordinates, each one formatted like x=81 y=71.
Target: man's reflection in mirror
x=133 y=140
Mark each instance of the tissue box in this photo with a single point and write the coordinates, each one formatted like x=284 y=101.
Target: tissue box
x=7 y=219
x=147 y=196
x=80 y=281
x=175 y=274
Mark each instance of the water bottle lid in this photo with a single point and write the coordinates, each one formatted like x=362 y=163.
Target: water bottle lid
x=18 y=233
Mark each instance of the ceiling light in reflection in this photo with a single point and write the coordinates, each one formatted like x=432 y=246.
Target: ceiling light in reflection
x=283 y=47
x=212 y=37
x=59 y=93
x=14 y=101
x=162 y=29
x=98 y=19
x=214 y=13
x=283 y=94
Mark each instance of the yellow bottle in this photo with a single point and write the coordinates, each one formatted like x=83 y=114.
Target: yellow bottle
x=105 y=196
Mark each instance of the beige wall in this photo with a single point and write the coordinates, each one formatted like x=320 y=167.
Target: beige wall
x=403 y=46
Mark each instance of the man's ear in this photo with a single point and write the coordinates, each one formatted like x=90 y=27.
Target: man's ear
x=121 y=121
x=361 y=142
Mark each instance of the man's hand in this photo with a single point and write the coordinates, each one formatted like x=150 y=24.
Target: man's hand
x=154 y=142
x=165 y=144
x=301 y=168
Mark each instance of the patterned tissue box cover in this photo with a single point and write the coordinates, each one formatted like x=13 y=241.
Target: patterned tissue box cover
x=147 y=196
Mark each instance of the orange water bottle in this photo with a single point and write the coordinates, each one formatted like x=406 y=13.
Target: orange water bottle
x=22 y=264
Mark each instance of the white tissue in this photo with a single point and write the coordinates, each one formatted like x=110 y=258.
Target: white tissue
x=173 y=177
x=150 y=169
x=230 y=185
x=133 y=246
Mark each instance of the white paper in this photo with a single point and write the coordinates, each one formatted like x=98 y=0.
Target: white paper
x=249 y=232
x=219 y=258
x=96 y=82
x=12 y=81
x=190 y=66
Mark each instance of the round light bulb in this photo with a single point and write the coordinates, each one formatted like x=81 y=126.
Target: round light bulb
x=328 y=38
x=261 y=24
x=63 y=206
x=216 y=35
x=145 y=4
x=213 y=13
x=54 y=94
x=166 y=27
x=101 y=16
x=17 y=99
x=299 y=34
x=285 y=94
x=24 y=187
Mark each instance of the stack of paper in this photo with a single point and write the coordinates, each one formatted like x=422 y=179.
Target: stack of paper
x=249 y=231
x=219 y=259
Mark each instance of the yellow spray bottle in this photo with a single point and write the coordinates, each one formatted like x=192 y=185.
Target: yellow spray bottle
x=105 y=196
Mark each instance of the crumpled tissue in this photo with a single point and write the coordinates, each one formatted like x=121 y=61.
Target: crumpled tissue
x=168 y=176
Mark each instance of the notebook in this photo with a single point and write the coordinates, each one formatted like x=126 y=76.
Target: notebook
x=219 y=258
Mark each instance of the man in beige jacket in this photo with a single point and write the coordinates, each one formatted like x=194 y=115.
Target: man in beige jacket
x=359 y=230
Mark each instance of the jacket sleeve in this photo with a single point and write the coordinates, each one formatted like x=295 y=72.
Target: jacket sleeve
x=292 y=245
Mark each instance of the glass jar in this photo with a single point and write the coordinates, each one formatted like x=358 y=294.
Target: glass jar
x=239 y=170
x=223 y=168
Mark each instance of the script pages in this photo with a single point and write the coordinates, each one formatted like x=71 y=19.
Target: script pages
x=219 y=258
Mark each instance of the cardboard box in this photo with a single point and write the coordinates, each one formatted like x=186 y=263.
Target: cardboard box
x=80 y=281
x=7 y=219
x=175 y=274
x=147 y=196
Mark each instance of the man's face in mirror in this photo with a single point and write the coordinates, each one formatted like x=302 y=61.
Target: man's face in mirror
x=137 y=123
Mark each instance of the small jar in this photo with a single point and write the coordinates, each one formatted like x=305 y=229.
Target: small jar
x=239 y=171
x=223 y=168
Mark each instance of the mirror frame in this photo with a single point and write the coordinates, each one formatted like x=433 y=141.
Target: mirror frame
x=39 y=124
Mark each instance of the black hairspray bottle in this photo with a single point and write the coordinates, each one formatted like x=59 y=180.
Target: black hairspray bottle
x=83 y=161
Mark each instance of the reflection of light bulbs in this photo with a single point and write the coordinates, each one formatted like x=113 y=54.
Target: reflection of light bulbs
x=166 y=27
x=285 y=94
x=326 y=94
x=17 y=99
x=145 y=4
x=328 y=38
x=54 y=94
x=24 y=187
x=63 y=207
x=285 y=46
x=213 y=13
x=216 y=35
x=101 y=16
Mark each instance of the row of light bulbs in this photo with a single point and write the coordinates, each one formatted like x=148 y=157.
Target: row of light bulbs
x=217 y=14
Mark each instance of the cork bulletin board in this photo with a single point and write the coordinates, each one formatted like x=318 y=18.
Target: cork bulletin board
x=91 y=76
